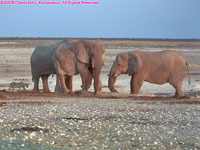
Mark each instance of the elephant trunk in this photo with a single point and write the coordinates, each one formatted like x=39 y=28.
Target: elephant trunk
x=114 y=72
x=111 y=83
x=97 y=81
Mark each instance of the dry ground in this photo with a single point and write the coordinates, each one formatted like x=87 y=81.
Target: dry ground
x=152 y=120
x=15 y=63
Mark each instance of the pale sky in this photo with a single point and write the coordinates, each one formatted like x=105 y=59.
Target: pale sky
x=108 y=19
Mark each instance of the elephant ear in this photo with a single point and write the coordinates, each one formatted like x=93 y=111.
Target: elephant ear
x=134 y=65
x=82 y=54
x=122 y=59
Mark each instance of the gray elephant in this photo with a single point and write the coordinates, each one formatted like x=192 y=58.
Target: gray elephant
x=41 y=64
x=154 y=67
x=84 y=57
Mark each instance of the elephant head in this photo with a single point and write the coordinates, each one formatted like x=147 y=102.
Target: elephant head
x=92 y=54
x=125 y=63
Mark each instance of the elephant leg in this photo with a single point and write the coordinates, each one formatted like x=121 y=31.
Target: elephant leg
x=176 y=82
x=58 y=85
x=97 y=81
x=61 y=78
x=68 y=82
x=100 y=84
x=90 y=80
x=84 y=82
x=178 y=88
x=84 y=76
x=136 y=83
x=63 y=84
x=36 y=85
x=83 y=70
x=179 y=91
x=45 y=83
x=89 y=77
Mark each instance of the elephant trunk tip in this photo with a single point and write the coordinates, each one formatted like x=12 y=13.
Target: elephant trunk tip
x=111 y=84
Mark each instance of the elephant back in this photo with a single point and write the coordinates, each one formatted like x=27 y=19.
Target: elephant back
x=41 y=59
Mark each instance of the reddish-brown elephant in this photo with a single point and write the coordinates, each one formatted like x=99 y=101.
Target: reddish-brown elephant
x=84 y=57
x=155 y=67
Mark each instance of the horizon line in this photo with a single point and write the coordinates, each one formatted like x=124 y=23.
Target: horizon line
x=100 y=38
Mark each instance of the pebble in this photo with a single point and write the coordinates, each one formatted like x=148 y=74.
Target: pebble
x=70 y=123
x=155 y=143
x=197 y=145
x=33 y=135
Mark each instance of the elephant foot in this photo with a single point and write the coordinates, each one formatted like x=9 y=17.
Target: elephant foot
x=133 y=92
x=179 y=96
x=97 y=93
x=80 y=92
x=84 y=93
x=58 y=90
x=46 y=91
x=35 y=90
x=71 y=93
x=114 y=91
x=67 y=91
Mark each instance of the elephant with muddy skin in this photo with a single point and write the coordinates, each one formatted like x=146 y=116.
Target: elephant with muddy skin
x=154 y=67
x=41 y=64
x=84 y=57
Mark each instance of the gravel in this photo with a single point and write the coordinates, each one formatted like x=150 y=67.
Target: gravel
x=94 y=123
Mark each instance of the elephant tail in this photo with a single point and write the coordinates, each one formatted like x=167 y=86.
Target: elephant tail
x=188 y=69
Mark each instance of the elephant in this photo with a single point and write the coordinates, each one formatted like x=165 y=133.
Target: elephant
x=84 y=57
x=41 y=64
x=167 y=66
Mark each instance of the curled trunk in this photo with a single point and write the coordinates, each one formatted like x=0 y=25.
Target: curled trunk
x=111 y=84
